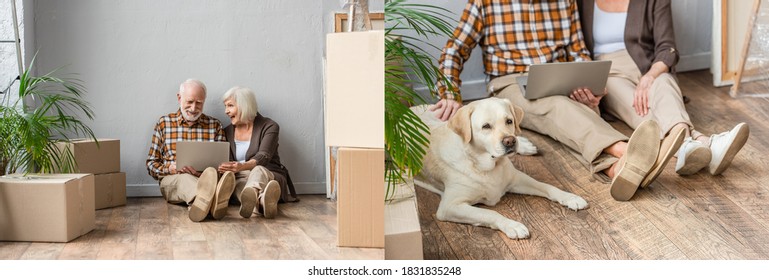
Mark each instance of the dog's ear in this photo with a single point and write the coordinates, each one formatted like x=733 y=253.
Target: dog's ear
x=518 y=114
x=460 y=123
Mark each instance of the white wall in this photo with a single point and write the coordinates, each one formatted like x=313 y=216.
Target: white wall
x=691 y=18
x=132 y=55
x=8 y=60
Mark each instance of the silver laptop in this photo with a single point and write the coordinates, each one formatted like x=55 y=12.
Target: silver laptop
x=201 y=154
x=561 y=78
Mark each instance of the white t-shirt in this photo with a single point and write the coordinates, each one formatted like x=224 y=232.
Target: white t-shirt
x=240 y=150
x=608 y=31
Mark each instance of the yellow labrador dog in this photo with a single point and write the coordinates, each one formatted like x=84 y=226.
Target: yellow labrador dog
x=466 y=163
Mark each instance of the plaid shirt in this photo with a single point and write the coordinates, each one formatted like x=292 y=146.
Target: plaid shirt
x=173 y=128
x=513 y=35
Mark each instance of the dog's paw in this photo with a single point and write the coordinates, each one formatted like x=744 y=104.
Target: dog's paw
x=573 y=202
x=514 y=230
x=525 y=147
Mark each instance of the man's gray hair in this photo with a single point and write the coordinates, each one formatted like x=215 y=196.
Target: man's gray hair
x=245 y=100
x=195 y=82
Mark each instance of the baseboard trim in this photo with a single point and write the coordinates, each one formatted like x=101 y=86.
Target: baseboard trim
x=694 y=62
x=152 y=190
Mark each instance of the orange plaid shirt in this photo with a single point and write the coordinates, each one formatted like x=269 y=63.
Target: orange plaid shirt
x=512 y=35
x=173 y=128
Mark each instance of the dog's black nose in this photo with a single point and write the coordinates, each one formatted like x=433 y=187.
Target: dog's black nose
x=509 y=141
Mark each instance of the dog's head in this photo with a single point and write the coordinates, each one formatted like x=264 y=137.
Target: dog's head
x=489 y=125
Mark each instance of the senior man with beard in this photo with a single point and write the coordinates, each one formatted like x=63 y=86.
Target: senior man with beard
x=185 y=185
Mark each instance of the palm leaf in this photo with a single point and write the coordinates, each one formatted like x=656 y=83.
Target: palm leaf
x=30 y=133
x=408 y=63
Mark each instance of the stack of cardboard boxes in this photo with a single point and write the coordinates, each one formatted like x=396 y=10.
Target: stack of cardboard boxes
x=354 y=129
x=61 y=207
x=103 y=161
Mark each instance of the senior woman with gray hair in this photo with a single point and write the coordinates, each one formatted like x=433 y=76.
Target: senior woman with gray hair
x=261 y=180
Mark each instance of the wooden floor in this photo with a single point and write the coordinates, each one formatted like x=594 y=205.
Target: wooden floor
x=694 y=217
x=150 y=228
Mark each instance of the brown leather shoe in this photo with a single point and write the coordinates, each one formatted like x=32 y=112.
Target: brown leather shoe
x=223 y=192
x=668 y=148
x=642 y=151
x=269 y=199
x=204 y=197
x=248 y=201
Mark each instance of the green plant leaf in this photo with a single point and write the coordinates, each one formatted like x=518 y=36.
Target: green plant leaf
x=407 y=64
x=30 y=133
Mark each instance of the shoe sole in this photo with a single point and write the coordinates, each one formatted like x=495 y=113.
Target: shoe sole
x=642 y=150
x=206 y=191
x=271 y=196
x=223 y=192
x=668 y=148
x=695 y=161
x=247 y=202
x=739 y=141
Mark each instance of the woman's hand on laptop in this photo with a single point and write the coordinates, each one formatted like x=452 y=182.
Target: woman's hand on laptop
x=233 y=166
x=586 y=96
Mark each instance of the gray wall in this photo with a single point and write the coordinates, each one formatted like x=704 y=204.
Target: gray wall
x=132 y=56
x=692 y=21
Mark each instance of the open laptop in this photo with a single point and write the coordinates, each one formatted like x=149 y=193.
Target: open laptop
x=201 y=154
x=561 y=78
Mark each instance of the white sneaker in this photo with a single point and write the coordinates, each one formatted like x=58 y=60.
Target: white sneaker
x=724 y=147
x=692 y=157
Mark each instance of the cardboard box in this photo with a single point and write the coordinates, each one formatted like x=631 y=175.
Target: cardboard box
x=46 y=207
x=109 y=190
x=360 y=197
x=90 y=158
x=354 y=89
x=403 y=234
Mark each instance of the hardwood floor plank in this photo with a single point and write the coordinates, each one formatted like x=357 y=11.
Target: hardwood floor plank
x=631 y=235
x=224 y=240
x=117 y=251
x=434 y=244
x=42 y=251
x=294 y=244
x=715 y=210
x=191 y=250
x=153 y=241
x=123 y=224
x=12 y=250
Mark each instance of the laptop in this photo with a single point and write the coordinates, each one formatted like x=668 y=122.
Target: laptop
x=201 y=154
x=561 y=78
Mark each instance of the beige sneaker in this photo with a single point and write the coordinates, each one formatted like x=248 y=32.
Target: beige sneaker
x=693 y=156
x=223 y=192
x=248 y=201
x=269 y=199
x=204 y=197
x=724 y=147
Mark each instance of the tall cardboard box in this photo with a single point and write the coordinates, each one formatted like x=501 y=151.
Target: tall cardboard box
x=92 y=158
x=46 y=208
x=360 y=197
x=109 y=190
x=354 y=95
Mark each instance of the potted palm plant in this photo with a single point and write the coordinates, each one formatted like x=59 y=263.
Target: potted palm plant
x=408 y=26
x=45 y=113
